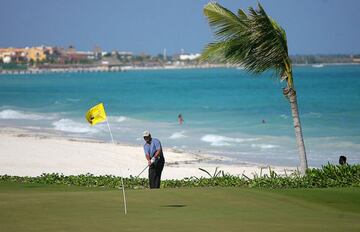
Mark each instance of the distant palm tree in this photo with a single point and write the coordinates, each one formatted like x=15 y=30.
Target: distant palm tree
x=258 y=43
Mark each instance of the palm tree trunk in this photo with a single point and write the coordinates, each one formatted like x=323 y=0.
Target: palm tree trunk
x=298 y=132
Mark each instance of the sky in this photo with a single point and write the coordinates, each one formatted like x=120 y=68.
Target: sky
x=150 y=26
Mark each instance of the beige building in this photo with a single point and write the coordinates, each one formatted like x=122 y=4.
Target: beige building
x=23 y=54
x=13 y=54
x=36 y=53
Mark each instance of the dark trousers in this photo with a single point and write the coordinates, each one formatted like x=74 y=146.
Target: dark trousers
x=155 y=172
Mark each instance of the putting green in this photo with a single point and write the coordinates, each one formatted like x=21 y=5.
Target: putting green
x=31 y=207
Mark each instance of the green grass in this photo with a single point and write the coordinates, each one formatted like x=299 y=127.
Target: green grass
x=34 y=207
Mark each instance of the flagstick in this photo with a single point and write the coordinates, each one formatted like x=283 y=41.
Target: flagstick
x=112 y=139
x=122 y=181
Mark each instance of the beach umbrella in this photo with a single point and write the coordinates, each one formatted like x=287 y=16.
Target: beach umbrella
x=257 y=43
x=95 y=115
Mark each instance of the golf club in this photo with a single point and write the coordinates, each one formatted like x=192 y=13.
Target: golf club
x=142 y=171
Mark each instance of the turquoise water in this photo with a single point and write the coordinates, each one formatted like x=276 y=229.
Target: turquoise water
x=223 y=110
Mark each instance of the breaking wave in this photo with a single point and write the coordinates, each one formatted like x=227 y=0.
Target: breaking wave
x=264 y=146
x=219 y=141
x=68 y=125
x=14 y=114
x=178 y=135
x=120 y=118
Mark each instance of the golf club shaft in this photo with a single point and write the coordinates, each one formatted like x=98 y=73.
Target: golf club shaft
x=142 y=171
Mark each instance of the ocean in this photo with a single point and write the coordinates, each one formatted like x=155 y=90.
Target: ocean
x=227 y=112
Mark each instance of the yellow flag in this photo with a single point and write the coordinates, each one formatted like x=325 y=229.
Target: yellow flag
x=96 y=114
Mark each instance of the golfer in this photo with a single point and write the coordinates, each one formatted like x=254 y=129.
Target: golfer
x=155 y=157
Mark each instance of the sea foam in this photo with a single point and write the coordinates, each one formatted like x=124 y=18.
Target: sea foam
x=178 y=135
x=218 y=140
x=14 y=114
x=120 y=118
x=264 y=146
x=68 y=125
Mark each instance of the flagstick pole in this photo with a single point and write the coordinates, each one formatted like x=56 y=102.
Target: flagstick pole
x=112 y=138
x=122 y=181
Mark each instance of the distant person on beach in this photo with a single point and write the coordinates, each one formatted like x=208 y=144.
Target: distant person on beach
x=155 y=157
x=342 y=160
x=180 y=119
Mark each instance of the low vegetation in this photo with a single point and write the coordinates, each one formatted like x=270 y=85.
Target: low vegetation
x=327 y=176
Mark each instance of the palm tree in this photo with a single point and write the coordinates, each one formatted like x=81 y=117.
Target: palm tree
x=258 y=43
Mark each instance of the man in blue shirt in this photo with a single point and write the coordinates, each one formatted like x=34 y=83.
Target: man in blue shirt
x=155 y=157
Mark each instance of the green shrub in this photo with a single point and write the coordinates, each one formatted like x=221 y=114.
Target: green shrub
x=326 y=176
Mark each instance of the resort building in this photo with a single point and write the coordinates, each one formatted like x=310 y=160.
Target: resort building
x=17 y=55
x=36 y=53
x=189 y=56
x=71 y=55
x=8 y=55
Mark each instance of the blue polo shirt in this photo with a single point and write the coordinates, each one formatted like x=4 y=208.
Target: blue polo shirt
x=153 y=147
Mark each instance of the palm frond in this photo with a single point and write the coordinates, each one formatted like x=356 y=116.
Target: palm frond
x=225 y=23
x=253 y=40
x=227 y=51
x=213 y=52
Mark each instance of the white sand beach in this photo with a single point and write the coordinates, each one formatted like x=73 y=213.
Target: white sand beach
x=28 y=154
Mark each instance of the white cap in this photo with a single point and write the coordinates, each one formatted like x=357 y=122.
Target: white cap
x=146 y=133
